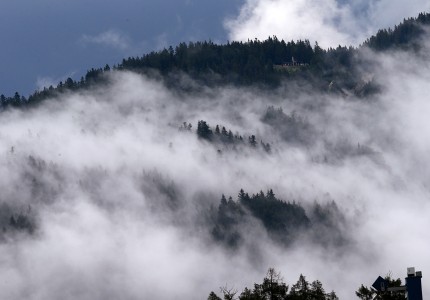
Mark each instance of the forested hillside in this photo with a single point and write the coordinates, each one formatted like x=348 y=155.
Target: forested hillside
x=267 y=62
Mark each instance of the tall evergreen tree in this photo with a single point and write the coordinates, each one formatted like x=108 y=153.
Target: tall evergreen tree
x=203 y=130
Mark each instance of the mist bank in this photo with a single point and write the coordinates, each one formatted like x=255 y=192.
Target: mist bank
x=116 y=199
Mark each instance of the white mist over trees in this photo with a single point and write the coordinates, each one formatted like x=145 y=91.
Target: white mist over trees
x=118 y=191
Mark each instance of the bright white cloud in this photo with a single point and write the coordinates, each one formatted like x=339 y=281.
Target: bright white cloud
x=330 y=22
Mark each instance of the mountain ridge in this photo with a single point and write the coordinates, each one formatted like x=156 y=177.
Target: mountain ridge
x=265 y=63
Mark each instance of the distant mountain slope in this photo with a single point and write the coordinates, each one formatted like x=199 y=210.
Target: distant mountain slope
x=406 y=35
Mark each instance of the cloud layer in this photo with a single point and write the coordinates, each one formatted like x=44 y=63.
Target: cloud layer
x=97 y=168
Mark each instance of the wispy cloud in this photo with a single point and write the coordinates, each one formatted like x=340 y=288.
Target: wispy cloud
x=46 y=81
x=111 y=38
x=161 y=41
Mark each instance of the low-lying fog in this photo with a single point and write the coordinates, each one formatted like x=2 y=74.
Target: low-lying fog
x=97 y=172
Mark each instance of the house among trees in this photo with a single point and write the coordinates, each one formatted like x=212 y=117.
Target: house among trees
x=294 y=63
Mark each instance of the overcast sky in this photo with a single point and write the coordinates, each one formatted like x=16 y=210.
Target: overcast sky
x=45 y=41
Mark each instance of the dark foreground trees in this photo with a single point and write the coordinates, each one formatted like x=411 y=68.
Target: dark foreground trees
x=366 y=293
x=273 y=287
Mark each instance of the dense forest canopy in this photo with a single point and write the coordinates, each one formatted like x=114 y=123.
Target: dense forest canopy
x=273 y=287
